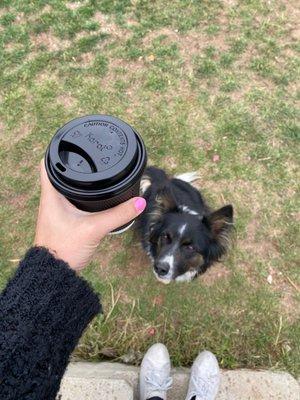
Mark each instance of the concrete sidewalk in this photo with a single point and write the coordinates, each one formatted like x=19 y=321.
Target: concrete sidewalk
x=112 y=381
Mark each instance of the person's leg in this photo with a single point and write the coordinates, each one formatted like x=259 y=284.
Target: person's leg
x=155 y=378
x=205 y=378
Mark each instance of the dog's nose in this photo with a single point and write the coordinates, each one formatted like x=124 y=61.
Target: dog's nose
x=162 y=268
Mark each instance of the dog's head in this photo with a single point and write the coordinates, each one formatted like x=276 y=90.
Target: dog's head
x=182 y=244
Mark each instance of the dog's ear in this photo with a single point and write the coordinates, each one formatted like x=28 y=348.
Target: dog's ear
x=221 y=220
x=166 y=200
x=220 y=223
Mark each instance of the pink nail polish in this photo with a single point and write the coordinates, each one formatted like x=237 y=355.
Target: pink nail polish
x=140 y=204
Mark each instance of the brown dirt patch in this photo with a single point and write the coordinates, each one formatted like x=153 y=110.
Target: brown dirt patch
x=87 y=59
x=230 y=3
x=292 y=13
x=51 y=42
x=263 y=250
x=137 y=265
x=132 y=22
x=66 y=100
x=2 y=129
x=287 y=289
x=215 y=273
x=131 y=66
x=18 y=201
x=74 y=5
x=170 y=162
x=47 y=9
x=202 y=144
x=124 y=297
x=191 y=44
x=20 y=17
x=296 y=34
x=16 y=135
x=3 y=11
x=109 y=247
x=253 y=82
x=159 y=300
x=258 y=248
x=107 y=25
x=129 y=71
x=139 y=262
x=12 y=46
x=45 y=76
x=249 y=192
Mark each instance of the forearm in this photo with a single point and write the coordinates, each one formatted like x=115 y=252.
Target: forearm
x=43 y=312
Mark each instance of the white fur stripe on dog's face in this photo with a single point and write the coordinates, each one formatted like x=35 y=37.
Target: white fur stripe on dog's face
x=167 y=259
x=181 y=230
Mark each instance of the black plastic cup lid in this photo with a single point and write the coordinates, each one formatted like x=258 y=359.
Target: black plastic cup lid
x=95 y=155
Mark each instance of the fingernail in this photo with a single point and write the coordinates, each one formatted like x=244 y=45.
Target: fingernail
x=140 y=204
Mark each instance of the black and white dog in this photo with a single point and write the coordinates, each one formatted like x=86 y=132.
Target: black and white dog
x=180 y=233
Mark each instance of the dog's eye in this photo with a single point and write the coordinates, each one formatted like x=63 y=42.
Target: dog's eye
x=166 y=237
x=188 y=246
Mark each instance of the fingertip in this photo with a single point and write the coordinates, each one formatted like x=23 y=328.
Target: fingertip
x=120 y=215
x=140 y=204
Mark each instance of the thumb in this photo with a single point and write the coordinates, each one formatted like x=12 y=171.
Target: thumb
x=120 y=215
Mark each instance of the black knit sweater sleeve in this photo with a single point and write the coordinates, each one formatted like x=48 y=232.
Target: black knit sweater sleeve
x=43 y=312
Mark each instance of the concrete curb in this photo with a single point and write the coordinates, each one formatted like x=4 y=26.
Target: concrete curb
x=112 y=381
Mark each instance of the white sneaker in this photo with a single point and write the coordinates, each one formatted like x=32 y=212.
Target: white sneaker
x=155 y=371
x=205 y=377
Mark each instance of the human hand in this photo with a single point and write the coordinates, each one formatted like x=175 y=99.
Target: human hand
x=71 y=234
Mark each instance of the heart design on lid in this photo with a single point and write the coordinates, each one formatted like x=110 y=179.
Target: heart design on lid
x=105 y=160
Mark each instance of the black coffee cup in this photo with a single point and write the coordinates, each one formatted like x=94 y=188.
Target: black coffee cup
x=96 y=162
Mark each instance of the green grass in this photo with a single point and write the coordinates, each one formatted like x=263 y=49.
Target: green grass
x=196 y=79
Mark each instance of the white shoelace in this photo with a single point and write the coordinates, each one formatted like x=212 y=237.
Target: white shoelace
x=158 y=383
